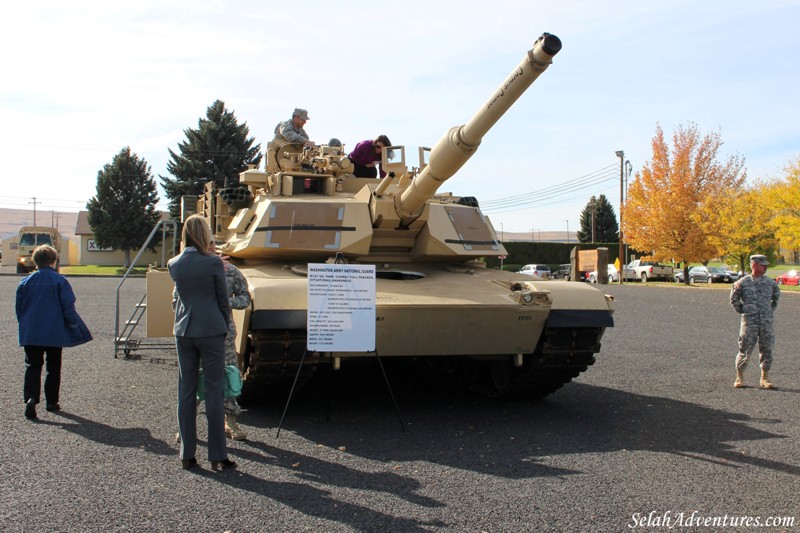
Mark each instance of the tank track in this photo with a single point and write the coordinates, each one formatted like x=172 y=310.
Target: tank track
x=270 y=367
x=562 y=354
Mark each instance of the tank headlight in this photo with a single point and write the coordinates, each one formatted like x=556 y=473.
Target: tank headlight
x=527 y=297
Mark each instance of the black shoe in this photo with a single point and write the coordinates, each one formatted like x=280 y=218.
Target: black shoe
x=222 y=465
x=53 y=407
x=30 y=409
x=186 y=464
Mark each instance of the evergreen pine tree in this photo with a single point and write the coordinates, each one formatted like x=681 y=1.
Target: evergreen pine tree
x=219 y=149
x=123 y=213
x=606 y=227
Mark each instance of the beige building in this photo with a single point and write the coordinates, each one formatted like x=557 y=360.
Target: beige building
x=90 y=254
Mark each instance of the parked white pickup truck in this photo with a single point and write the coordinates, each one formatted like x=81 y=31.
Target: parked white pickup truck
x=646 y=271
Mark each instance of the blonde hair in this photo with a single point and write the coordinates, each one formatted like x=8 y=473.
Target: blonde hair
x=197 y=233
x=45 y=255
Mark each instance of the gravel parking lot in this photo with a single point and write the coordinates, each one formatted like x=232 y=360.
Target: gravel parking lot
x=653 y=427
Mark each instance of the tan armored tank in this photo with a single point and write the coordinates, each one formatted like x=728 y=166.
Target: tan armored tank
x=435 y=301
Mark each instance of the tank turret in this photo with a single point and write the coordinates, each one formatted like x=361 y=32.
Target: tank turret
x=307 y=204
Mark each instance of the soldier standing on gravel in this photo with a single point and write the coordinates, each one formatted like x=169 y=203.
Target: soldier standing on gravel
x=755 y=297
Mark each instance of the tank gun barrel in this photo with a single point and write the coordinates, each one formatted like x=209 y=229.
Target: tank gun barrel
x=459 y=143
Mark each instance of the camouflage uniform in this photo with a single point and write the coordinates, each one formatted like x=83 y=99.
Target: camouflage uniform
x=287 y=132
x=239 y=297
x=755 y=298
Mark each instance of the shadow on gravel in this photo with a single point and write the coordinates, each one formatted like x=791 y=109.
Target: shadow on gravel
x=318 y=503
x=111 y=436
x=512 y=438
x=320 y=471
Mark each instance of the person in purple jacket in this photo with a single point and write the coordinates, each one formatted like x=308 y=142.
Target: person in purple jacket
x=366 y=155
x=48 y=322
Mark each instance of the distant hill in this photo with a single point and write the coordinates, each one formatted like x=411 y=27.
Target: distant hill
x=543 y=236
x=13 y=219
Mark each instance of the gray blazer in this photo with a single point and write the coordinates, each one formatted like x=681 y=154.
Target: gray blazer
x=200 y=299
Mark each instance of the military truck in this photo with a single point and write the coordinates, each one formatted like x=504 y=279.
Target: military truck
x=29 y=238
x=437 y=305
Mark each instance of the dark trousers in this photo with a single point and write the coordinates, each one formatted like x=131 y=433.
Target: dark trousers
x=210 y=351
x=361 y=171
x=34 y=360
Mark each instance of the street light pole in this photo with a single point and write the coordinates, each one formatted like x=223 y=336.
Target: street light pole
x=628 y=170
x=567 y=221
x=621 y=155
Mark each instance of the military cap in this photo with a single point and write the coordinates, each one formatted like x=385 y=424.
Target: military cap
x=759 y=259
x=302 y=113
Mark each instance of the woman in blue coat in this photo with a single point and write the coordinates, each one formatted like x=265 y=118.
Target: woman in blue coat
x=48 y=322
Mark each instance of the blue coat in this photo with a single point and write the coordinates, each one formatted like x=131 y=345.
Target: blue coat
x=46 y=311
x=200 y=298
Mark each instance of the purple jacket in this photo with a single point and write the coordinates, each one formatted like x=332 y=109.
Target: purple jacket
x=364 y=154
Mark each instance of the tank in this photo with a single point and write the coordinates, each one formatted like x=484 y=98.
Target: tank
x=437 y=305
x=29 y=238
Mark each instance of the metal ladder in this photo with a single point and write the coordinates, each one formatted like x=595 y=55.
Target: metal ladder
x=123 y=340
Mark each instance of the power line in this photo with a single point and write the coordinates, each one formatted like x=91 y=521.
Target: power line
x=598 y=175
x=543 y=196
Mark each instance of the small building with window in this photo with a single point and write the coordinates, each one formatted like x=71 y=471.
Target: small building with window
x=89 y=253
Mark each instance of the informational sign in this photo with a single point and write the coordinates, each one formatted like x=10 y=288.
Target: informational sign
x=341 y=308
x=587 y=260
x=91 y=246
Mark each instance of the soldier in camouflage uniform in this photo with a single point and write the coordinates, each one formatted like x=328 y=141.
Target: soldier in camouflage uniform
x=239 y=297
x=292 y=130
x=755 y=297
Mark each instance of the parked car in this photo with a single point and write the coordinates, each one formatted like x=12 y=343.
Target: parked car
x=536 y=270
x=678 y=275
x=612 y=275
x=789 y=278
x=562 y=272
x=734 y=275
x=710 y=274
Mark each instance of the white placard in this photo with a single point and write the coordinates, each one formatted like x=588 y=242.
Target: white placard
x=341 y=308
x=91 y=246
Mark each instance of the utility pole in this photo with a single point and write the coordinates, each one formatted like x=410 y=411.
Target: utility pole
x=34 y=202
x=567 y=221
x=621 y=155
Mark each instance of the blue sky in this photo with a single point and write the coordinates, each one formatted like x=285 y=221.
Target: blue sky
x=84 y=79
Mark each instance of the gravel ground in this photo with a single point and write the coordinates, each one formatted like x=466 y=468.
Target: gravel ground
x=653 y=427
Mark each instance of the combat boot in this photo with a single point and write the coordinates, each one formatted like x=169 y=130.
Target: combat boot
x=232 y=429
x=739 y=383
x=765 y=384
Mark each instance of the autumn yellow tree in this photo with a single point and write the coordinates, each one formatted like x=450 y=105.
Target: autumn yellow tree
x=673 y=203
x=743 y=227
x=783 y=198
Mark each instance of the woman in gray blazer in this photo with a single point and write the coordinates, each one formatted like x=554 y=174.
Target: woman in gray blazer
x=202 y=313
